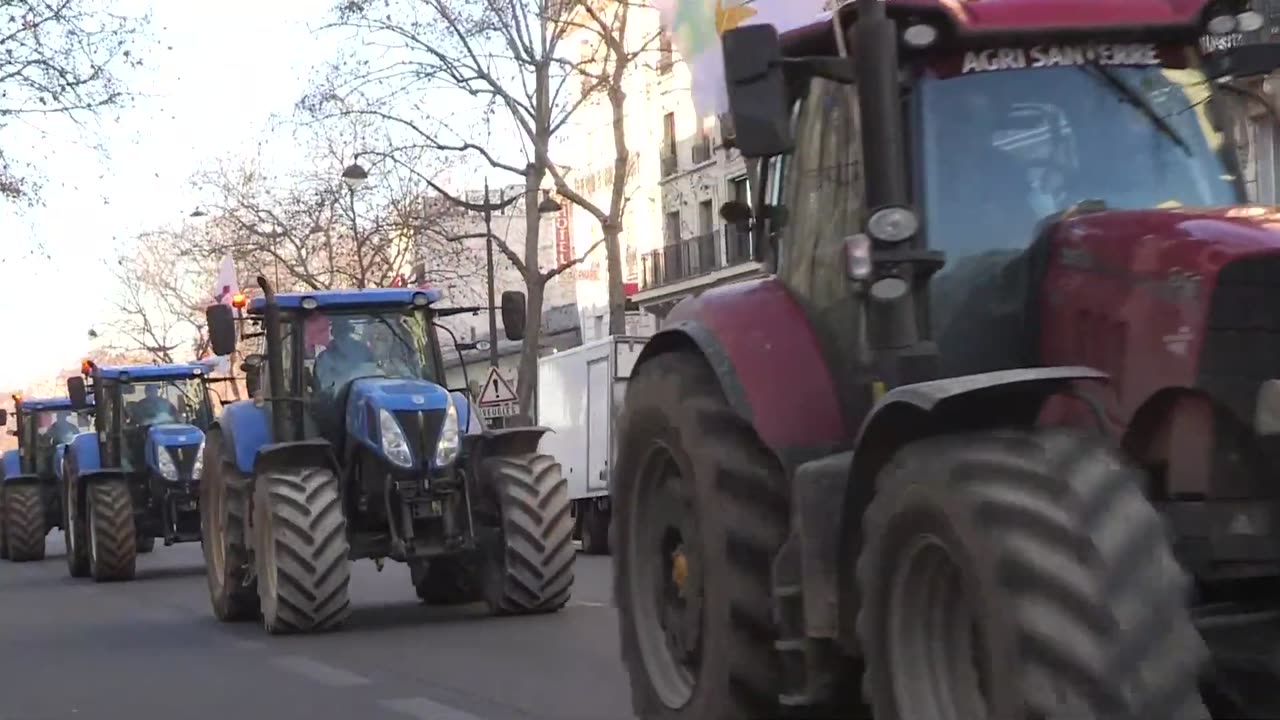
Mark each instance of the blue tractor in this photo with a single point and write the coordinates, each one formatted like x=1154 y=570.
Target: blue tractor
x=29 y=502
x=135 y=477
x=352 y=448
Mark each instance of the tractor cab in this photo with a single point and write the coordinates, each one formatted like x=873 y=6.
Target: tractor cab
x=362 y=364
x=42 y=426
x=151 y=417
x=950 y=145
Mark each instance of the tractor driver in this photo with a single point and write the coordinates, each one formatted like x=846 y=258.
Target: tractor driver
x=153 y=408
x=341 y=357
x=62 y=428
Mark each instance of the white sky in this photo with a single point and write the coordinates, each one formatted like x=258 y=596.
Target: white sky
x=232 y=64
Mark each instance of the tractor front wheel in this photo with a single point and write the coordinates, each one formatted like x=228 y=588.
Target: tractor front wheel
x=113 y=550
x=531 y=570
x=24 y=524
x=73 y=531
x=1013 y=574
x=700 y=509
x=301 y=550
x=224 y=504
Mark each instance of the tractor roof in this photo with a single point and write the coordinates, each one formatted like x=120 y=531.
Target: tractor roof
x=988 y=20
x=36 y=404
x=152 y=372
x=349 y=299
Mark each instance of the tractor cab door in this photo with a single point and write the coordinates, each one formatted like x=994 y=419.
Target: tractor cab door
x=821 y=186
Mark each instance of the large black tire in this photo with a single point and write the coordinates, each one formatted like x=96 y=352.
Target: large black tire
x=224 y=504
x=1014 y=574
x=146 y=544
x=74 y=536
x=533 y=573
x=113 y=552
x=301 y=550
x=24 y=525
x=4 y=534
x=737 y=492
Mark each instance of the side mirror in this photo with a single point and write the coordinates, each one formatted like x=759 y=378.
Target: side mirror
x=4 y=417
x=77 y=392
x=222 y=329
x=759 y=104
x=252 y=368
x=513 y=314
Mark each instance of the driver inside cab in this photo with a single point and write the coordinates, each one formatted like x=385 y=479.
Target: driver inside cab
x=153 y=408
x=62 y=429
x=343 y=355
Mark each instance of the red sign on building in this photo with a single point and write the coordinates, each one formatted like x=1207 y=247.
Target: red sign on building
x=564 y=233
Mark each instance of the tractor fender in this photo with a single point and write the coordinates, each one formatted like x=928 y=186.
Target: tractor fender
x=301 y=453
x=84 y=448
x=826 y=536
x=760 y=344
x=504 y=442
x=21 y=479
x=245 y=428
x=10 y=464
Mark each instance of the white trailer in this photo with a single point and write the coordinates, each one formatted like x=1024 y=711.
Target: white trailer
x=580 y=392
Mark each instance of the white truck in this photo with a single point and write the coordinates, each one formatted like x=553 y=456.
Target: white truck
x=580 y=392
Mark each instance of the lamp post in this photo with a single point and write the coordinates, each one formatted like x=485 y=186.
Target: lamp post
x=353 y=177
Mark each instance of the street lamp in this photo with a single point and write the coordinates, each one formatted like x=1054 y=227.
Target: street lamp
x=353 y=177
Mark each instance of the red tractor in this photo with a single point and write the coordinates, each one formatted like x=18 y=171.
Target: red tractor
x=998 y=435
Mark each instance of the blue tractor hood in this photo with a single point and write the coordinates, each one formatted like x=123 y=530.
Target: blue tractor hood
x=169 y=437
x=418 y=405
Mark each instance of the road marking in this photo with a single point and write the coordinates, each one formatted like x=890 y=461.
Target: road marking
x=587 y=603
x=320 y=672
x=421 y=708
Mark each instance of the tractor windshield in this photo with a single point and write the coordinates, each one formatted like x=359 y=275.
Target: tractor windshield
x=1006 y=143
x=153 y=402
x=59 y=426
x=342 y=347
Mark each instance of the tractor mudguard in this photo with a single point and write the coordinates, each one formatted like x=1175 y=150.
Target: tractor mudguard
x=97 y=476
x=245 y=429
x=10 y=464
x=823 y=532
x=21 y=479
x=503 y=442
x=84 y=448
x=758 y=341
x=302 y=453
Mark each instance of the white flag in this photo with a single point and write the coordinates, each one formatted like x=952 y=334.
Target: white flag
x=226 y=285
x=696 y=26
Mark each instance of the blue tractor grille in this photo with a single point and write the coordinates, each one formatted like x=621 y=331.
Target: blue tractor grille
x=185 y=457
x=422 y=430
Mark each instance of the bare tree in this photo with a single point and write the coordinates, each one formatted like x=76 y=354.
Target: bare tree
x=308 y=230
x=160 y=300
x=503 y=62
x=58 y=57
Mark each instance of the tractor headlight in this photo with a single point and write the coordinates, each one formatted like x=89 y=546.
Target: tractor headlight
x=450 y=438
x=165 y=464
x=394 y=444
x=198 y=468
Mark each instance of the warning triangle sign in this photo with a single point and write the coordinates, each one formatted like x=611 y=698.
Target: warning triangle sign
x=496 y=391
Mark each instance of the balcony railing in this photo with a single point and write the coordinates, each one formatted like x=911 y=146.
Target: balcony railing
x=695 y=256
x=701 y=149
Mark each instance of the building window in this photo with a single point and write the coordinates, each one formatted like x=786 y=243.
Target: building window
x=668 y=149
x=664 y=53
x=673 y=227
x=701 y=145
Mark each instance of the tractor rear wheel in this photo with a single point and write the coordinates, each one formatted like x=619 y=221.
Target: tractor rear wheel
x=24 y=523
x=700 y=509
x=113 y=550
x=301 y=550
x=224 y=504
x=1013 y=574
x=531 y=570
x=73 y=531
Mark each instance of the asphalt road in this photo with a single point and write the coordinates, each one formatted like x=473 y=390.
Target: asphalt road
x=152 y=649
